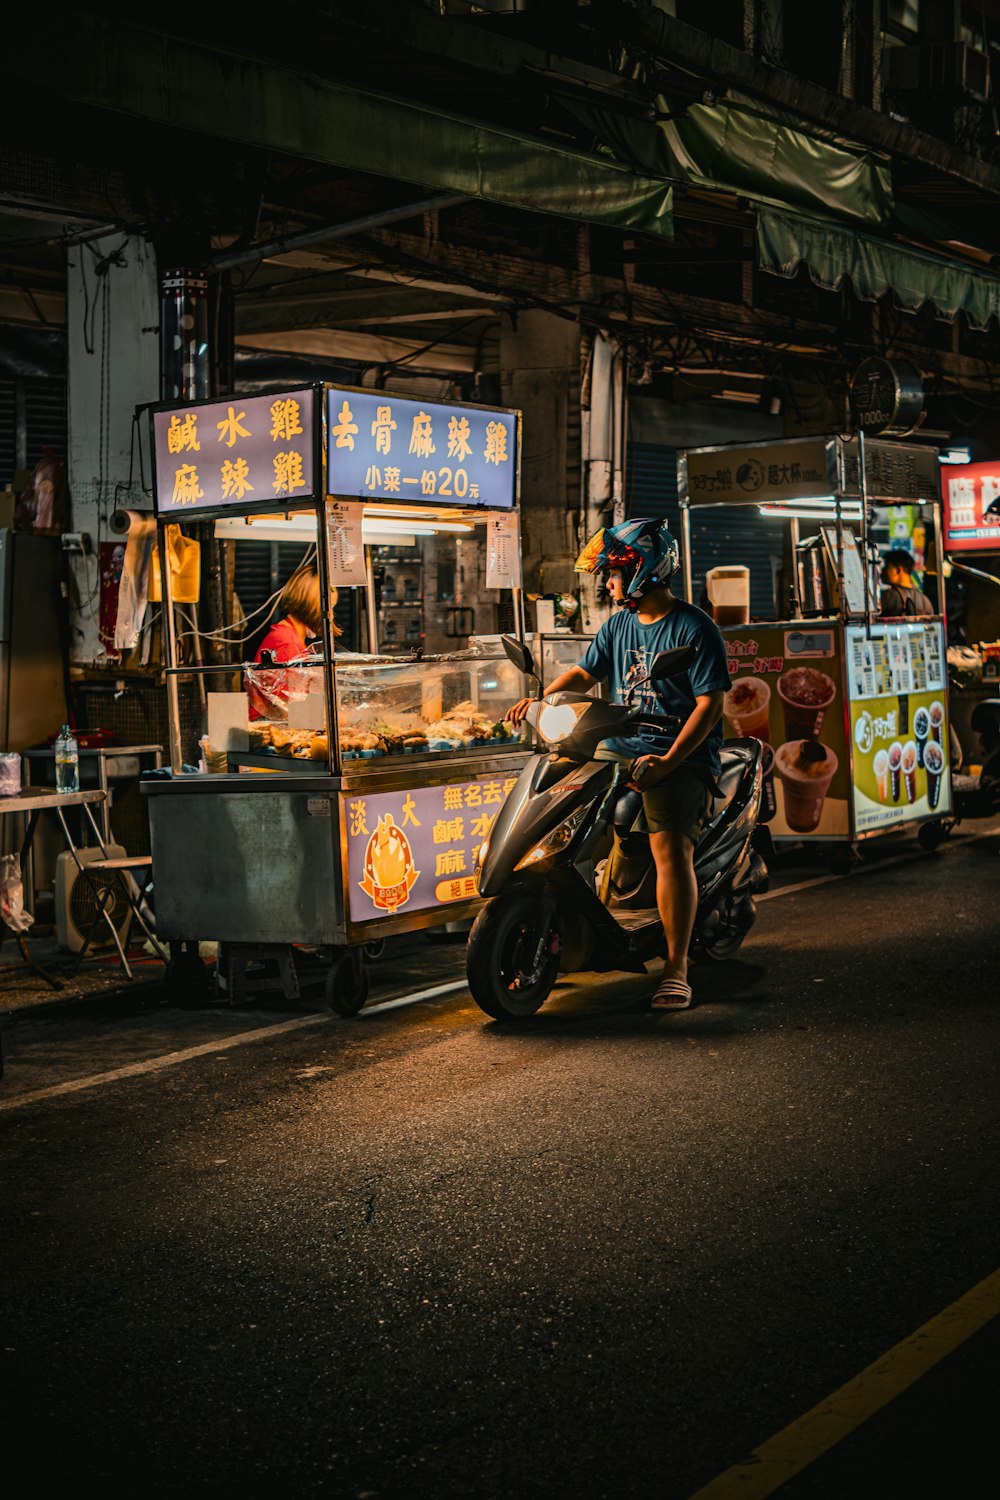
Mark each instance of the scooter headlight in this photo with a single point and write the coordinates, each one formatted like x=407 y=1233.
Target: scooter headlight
x=556 y=721
x=553 y=842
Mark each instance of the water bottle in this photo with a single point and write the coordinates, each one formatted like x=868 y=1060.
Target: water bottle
x=67 y=761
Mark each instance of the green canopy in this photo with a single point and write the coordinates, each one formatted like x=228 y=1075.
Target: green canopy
x=833 y=251
x=193 y=86
x=766 y=153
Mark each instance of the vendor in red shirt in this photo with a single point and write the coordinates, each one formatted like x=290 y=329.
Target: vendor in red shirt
x=298 y=622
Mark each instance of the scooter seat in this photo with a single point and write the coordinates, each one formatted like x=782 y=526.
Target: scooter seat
x=629 y=816
x=728 y=779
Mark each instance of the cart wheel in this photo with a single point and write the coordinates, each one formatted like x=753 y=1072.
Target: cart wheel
x=930 y=835
x=843 y=858
x=186 y=978
x=346 y=987
x=373 y=950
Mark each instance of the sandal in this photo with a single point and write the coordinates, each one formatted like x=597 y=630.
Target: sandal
x=672 y=994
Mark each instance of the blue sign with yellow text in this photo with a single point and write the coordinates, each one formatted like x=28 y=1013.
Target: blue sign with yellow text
x=386 y=447
x=240 y=453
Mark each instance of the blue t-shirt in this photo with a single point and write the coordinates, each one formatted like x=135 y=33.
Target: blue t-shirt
x=622 y=650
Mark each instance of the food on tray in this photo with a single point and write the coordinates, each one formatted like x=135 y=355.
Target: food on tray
x=461 y=725
x=354 y=741
x=304 y=744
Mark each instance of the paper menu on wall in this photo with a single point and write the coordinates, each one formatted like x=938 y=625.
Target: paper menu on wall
x=503 y=558
x=346 y=545
x=899 y=658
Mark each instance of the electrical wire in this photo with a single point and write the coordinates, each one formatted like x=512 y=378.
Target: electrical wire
x=222 y=635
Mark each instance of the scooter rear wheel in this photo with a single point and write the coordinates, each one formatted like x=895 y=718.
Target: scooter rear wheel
x=513 y=958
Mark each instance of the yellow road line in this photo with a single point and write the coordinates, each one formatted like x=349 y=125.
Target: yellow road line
x=786 y=1454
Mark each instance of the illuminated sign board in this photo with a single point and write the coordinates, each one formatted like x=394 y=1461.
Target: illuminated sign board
x=967 y=490
x=416 y=848
x=239 y=454
x=389 y=448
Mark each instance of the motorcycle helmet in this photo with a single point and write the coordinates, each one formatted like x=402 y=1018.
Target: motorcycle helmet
x=643 y=551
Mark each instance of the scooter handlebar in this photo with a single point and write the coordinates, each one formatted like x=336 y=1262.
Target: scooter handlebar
x=659 y=721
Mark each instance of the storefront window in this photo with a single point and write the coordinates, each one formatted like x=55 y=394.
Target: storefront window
x=904 y=15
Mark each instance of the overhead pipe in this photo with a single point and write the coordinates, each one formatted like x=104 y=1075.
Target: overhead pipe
x=281 y=246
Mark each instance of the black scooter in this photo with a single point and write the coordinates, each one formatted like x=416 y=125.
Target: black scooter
x=557 y=903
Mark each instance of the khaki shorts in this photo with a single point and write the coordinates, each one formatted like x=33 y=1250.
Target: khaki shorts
x=682 y=803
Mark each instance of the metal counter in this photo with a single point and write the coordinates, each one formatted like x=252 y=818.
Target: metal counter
x=262 y=858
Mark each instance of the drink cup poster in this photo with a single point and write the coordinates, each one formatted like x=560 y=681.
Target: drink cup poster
x=414 y=849
x=901 y=760
x=787 y=691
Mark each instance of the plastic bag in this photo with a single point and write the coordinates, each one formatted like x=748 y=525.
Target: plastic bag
x=43 y=505
x=12 y=910
x=271 y=689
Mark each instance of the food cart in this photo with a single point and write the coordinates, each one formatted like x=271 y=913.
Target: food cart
x=852 y=710
x=354 y=809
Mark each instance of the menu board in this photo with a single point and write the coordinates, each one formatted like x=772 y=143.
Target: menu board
x=786 y=691
x=385 y=447
x=896 y=683
x=898 y=659
x=412 y=849
x=240 y=454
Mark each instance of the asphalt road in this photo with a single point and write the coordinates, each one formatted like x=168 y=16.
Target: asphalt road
x=607 y=1254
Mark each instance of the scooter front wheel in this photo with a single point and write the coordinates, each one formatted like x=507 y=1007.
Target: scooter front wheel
x=513 y=957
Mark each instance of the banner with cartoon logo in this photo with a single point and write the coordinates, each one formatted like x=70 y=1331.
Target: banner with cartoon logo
x=414 y=849
x=787 y=691
x=899 y=724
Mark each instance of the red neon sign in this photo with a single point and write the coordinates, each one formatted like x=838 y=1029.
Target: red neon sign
x=967 y=490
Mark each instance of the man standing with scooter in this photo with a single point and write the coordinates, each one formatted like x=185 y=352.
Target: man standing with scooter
x=674 y=771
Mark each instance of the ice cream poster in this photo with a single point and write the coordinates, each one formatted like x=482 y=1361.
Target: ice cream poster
x=413 y=849
x=901 y=759
x=786 y=690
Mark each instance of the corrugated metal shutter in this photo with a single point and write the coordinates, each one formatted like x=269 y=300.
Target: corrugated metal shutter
x=45 y=418
x=8 y=432
x=44 y=408
x=718 y=537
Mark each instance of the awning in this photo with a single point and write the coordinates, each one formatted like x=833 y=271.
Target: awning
x=192 y=86
x=832 y=252
x=766 y=153
x=742 y=147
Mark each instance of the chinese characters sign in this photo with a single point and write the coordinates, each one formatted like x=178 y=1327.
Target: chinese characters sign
x=968 y=490
x=410 y=850
x=893 y=471
x=384 y=447
x=243 y=451
x=755 y=473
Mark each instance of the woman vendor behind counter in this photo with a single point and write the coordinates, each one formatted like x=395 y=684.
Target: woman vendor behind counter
x=298 y=623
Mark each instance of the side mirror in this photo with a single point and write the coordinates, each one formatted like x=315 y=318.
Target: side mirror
x=671 y=663
x=518 y=653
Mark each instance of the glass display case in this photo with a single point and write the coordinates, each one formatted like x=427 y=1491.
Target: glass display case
x=557 y=653
x=437 y=705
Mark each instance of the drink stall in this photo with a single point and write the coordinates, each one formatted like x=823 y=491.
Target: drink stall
x=852 y=710
x=352 y=801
